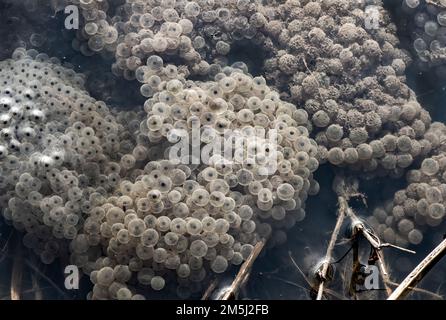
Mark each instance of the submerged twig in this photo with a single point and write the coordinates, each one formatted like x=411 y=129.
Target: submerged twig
x=291 y=283
x=207 y=294
x=17 y=272
x=374 y=241
x=299 y=269
x=419 y=272
x=420 y=290
x=5 y=246
x=377 y=252
x=36 y=289
x=38 y=295
x=328 y=291
x=383 y=245
x=244 y=272
x=377 y=256
x=436 y=3
x=41 y=274
x=356 y=265
x=322 y=273
x=4 y=249
x=383 y=270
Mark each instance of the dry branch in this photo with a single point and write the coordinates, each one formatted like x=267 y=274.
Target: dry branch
x=43 y=276
x=376 y=245
x=348 y=191
x=422 y=291
x=383 y=270
x=322 y=273
x=355 y=269
x=328 y=291
x=207 y=294
x=298 y=268
x=419 y=272
x=244 y=272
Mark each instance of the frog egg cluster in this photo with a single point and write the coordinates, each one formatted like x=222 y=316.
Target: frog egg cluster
x=97 y=32
x=349 y=77
x=33 y=19
x=116 y=191
x=184 y=221
x=166 y=226
x=193 y=32
x=54 y=150
x=155 y=75
x=426 y=24
x=421 y=205
x=236 y=102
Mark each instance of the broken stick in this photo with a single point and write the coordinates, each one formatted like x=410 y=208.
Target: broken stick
x=322 y=273
x=419 y=272
x=207 y=294
x=376 y=245
x=244 y=272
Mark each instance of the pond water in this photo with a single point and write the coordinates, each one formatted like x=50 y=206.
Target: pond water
x=280 y=273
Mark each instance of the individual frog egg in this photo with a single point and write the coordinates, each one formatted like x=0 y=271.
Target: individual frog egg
x=183 y=270
x=171 y=238
x=219 y=264
x=194 y=226
x=105 y=276
x=149 y=237
x=198 y=248
x=136 y=227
